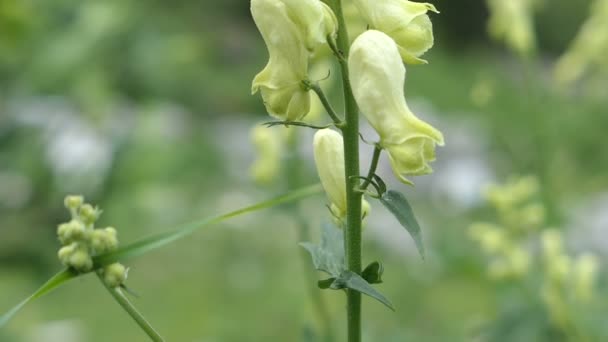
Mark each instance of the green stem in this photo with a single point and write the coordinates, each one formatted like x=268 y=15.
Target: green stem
x=132 y=311
x=372 y=167
x=328 y=107
x=350 y=133
x=294 y=123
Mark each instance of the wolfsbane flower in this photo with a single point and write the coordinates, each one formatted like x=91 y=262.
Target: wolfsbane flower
x=377 y=76
x=404 y=21
x=280 y=82
x=292 y=30
x=329 y=159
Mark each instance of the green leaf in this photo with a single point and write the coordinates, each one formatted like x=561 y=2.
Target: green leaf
x=353 y=281
x=373 y=273
x=328 y=256
x=381 y=184
x=50 y=285
x=159 y=240
x=398 y=205
x=326 y=283
x=156 y=241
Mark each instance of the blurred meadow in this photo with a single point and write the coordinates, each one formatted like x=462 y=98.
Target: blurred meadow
x=145 y=108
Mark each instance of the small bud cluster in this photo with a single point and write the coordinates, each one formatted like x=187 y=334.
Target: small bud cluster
x=567 y=283
x=81 y=241
x=519 y=214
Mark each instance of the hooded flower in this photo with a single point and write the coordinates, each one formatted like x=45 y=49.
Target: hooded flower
x=329 y=158
x=404 y=21
x=292 y=31
x=377 y=76
x=280 y=83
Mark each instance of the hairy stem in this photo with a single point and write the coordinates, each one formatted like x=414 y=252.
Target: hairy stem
x=132 y=311
x=350 y=133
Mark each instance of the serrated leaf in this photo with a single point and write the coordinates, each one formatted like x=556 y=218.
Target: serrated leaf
x=353 y=281
x=328 y=256
x=398 y=205
x=47 y=287
x=373 y=273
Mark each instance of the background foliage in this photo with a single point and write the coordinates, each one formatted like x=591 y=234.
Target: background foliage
x=145 y=108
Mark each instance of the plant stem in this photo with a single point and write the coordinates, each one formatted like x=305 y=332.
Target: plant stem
x=372 y=167
x=294 y=180
x=328 y=107
x=132 y=311
x=350 y=133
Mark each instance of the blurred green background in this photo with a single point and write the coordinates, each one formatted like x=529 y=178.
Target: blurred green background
x=145 y=108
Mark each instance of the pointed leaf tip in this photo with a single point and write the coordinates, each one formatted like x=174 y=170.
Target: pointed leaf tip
x=398 y=205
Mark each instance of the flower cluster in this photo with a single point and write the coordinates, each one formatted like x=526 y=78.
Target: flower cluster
x=81 y=241
x=567 y=283
x=401 y=32
x=519 y=214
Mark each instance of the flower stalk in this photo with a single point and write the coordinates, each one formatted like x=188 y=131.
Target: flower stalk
x=350 y=134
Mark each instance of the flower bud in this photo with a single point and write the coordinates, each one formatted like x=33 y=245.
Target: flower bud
x=88 y=214
x=377 y=76
x=114 y=274
x=76 y=256
x=104 y=240
x=71 y=231
x=280 y=82
x=73 y=201
x=329 y=159
x=404 y=21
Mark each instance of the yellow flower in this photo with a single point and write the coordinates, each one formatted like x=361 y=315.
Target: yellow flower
x=404 y=21
x=267 y=143
x=377 y=76
x=280 y=82
x=589 y=48
x=329 y=158
x=512 y=21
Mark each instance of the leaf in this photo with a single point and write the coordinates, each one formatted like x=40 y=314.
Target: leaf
x=50 y=285
x=373 y=273
x=328 y=256
x=156 y=241
x=398 y=205
x=353 y=281
x=326 y=283
x=159 y=240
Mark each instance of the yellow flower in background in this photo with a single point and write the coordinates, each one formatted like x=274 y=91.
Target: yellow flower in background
x=586 y=269
x=512 y=22
x=280 y=82
x=404 y=21
x=377 y=77
x=329 y=159
x=267 y=143
x=589 y=48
